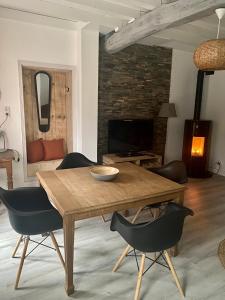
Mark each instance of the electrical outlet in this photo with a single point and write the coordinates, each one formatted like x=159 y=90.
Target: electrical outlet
x=7 y=110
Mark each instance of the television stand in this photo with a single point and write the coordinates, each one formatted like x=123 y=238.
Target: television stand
x=145 y=159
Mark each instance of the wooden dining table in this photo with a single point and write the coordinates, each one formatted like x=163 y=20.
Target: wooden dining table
x=77 y=195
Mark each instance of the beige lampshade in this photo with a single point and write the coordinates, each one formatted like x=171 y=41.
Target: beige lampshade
x=210 y=55
x=167 y=110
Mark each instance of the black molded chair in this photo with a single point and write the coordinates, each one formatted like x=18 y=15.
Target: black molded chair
x=31 y=213
x=75 y=160
x=174 y=170
x=155 y=236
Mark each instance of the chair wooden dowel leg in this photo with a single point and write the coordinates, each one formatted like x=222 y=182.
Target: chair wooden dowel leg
x=121 y=258
x=22 y=261
x=156 y=213
x=174 y=273
x=137 y=215
x=140 y=274
x=17 y=245
x=103 y=218
x=57 y=248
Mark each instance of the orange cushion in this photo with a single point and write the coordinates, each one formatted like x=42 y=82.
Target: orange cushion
x=53 y=149
x=35 y=151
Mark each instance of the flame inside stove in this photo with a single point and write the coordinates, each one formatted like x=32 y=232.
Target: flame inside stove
x=198 y=145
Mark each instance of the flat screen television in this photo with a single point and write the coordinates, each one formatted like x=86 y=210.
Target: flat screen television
x=128 y=137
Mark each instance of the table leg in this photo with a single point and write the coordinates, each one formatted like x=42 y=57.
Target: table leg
x=68 y=228
x=180 y=200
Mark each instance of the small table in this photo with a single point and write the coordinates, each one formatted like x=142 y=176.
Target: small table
x=77 y=195
x=6 y=159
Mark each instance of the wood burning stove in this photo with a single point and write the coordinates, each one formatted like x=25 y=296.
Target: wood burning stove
x=196 y=147
x=197 y=134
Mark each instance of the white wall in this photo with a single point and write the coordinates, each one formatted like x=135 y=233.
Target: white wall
x=42 y=44
x=88 y=89
x=182 y=93
x=213 y=108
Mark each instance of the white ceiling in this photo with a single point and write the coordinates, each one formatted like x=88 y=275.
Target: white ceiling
x=106 y=15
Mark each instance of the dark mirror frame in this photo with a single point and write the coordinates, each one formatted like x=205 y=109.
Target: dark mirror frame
x=43 y=128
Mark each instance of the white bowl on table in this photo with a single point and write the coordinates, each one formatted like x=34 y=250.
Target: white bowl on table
x=104 y=173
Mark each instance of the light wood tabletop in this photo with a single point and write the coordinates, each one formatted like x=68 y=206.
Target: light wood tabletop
x=77 y=195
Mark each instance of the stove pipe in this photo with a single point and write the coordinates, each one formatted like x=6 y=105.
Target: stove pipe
x=199 y=92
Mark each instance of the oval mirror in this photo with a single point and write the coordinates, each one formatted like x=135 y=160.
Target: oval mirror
x=43 y=99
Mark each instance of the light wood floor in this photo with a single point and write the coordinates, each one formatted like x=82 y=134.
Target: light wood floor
x=97 y=248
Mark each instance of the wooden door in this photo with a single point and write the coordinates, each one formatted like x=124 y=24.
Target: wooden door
x=60 y=111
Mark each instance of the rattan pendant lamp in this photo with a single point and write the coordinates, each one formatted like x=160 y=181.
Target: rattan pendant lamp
x=210 y=55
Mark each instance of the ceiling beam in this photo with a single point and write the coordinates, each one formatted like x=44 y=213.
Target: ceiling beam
x=167 y=43
x=188 y=37
x=163 y=17
x=178 y=35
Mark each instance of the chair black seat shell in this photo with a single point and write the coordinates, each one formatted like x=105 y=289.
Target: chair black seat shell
x=75 y=160
x=174 y=170
x=30 y=212
x=155 y=236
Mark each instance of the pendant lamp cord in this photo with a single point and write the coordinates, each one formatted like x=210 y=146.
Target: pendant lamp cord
x=220 y=12
x=218 y=31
